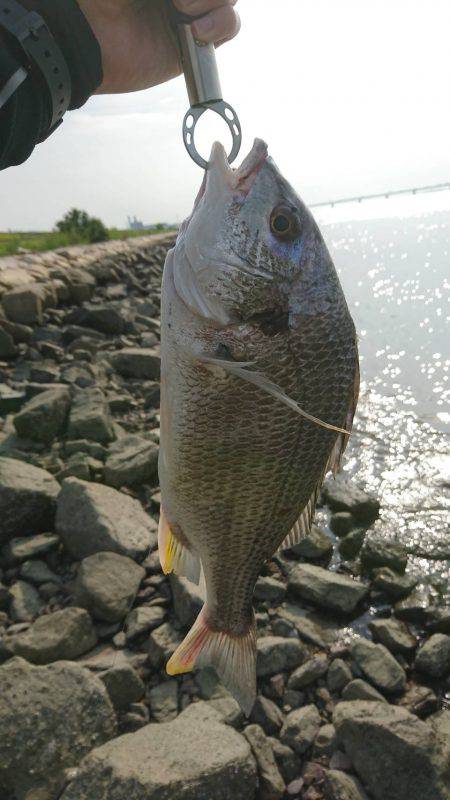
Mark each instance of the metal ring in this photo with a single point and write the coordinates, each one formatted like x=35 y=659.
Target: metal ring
x=221 y=108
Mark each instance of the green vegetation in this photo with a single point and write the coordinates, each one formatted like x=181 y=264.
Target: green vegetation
x=79 y=223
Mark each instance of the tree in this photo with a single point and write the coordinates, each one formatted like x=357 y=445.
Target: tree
x=83 y=227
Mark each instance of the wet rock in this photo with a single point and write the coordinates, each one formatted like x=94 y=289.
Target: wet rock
x=163 y=700
x=361 y=690
x=342 y=495
x=27 y=499
x=276 y=654
x=25 y=304
x=398 y=756
x=90 y=418
x=338 y=676
x=342 y=522
x=207 y=759
x=132 y=460
x=439 y=621
x=269 y=589
x=271 y=783
x=26 y=602
x=7 y=346
x=309 y=672
x=326 y=589
x=325 y=742
x=351 y=544
x=288 y=762
x=267 y=714
x=162 y=643
x=301 y=728
x=50 y=718
x=24 y=547
x=433 y=658
x=316 y=545
x=93 y=518
x=43 y=417
x=415 y=608
x=188 y=599
x=107 y=584
x=64 y=634
x=377 y=553
x=393 y=585
x=379 y=666
x=123 y=685
x=137 y=362
x=340 y=786
x=394 y=635
x=143 y=619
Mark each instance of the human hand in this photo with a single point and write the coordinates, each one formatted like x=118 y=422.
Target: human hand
x=138 y=46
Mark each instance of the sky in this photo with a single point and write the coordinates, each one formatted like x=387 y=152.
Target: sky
x=353 y=97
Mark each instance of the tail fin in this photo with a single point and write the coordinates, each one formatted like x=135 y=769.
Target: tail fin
x=232 y=656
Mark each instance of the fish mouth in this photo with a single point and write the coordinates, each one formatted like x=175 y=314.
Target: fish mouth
x=242 y=178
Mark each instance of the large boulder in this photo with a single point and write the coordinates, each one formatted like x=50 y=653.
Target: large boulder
x=92 y=518
x=50 y=718
x=27 y=499
x=43 y=417
x=64 y=634
x=90 y=417
x=326 y=589
x=194 y=757
x=107 y=584
x=137 y=362
x=131 y=461
x=396 y=755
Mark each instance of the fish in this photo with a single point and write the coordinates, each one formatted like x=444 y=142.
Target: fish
x=259 y=386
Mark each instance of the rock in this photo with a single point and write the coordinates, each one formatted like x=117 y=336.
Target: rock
x=26 y=602
x=64 y=634
x=25 y=304
x=342 y=522
x=361 y=690
x=163 y=700
x=433 y=658
x=325 y=742
x=267 y=714
x=398 y=756
x=50 y=718
x=131 y=461
x=207 y=760
x=338 y=676
x=271 y=783
x=104 y=319
x=308 y=625
x=394 y=635
x=27 y=499
x=10 y=401
x=90 y=417
x=316 y=545
x=43 y=417
x=25 y=547
x=7 y=346
x=123 y=685
x=377 y=553
x=229 y=709
x=107 y=584
x=439 y=621
x=308 y=673
x=342 y=495
x=143 y=619
x=379 y=666
x=288 y=762
x=351 y=544
x=276 y=654
x=188 y=599
x=269 y=589
x=393 y=585
x=301 y=728
x=162 y=643
x=93 y=518
x=137 y=362
x=21 y=334
x=420 y=700
x=340 y=786
x=414 y=608
x=326 y=589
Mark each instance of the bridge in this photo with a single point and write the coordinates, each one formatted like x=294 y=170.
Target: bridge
x=436 y=187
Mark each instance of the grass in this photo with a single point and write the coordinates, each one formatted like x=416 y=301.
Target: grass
x=39 y=241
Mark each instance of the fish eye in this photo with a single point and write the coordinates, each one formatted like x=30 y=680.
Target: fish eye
x=285 y=222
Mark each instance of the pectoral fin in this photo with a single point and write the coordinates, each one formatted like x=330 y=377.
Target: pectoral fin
x=302 y=527
x=175 y=555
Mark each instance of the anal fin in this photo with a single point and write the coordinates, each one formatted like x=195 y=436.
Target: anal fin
x=302 y=527
x=175 y=555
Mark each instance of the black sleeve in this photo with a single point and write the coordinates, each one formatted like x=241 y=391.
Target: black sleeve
x=25 y=117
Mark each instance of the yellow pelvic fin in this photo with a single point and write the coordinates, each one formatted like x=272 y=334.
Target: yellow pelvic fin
x=174 y=556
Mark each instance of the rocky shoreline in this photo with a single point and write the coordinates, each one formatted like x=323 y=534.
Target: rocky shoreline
x=87 y=620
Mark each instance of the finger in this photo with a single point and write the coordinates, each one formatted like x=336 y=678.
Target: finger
x=196 y=7
x=223 y=23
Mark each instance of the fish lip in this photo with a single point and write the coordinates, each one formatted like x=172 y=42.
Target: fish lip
x=243 y=177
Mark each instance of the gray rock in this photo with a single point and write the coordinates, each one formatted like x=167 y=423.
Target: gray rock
x=276 y=654
x=415 y=608
x=316 y=545
x=7 y=346
x=208 y=684
x=420 y=700
x=143 y=619
x=338 y=676
x=351 y=544
x=308 y=626
x=342 y=495
x=395 y=586
x=162 y=643
x=433 y=658
x=123 y=685
x=326 y=589
x=21 y=334
x=229 y=709
x=394 y=635
x=104 y=319
x=301 y=728
x=379 y=666
x=269 y=589
x=93 y=518
x=10 y=401
x=163 y=700
x=271 y=783
x=288 y=762
x=378 y=553
x=50 y=718
x=342 y=522
x=325 y=742
x=309 y=672
x=207 y=760
x=188 y=599
x=26 y=602
x=27 y=499
x=398 y=756
x=90 y=418
x=137 y=362
x=25 y=547
x=131 y=461
x=267 y=714
x=340 y=786
x=107 y=584
x=25 y=304
x=64 y=634
x=44 y=417
x=361 y=690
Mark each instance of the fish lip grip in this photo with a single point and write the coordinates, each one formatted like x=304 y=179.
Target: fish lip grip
x=203 y=86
